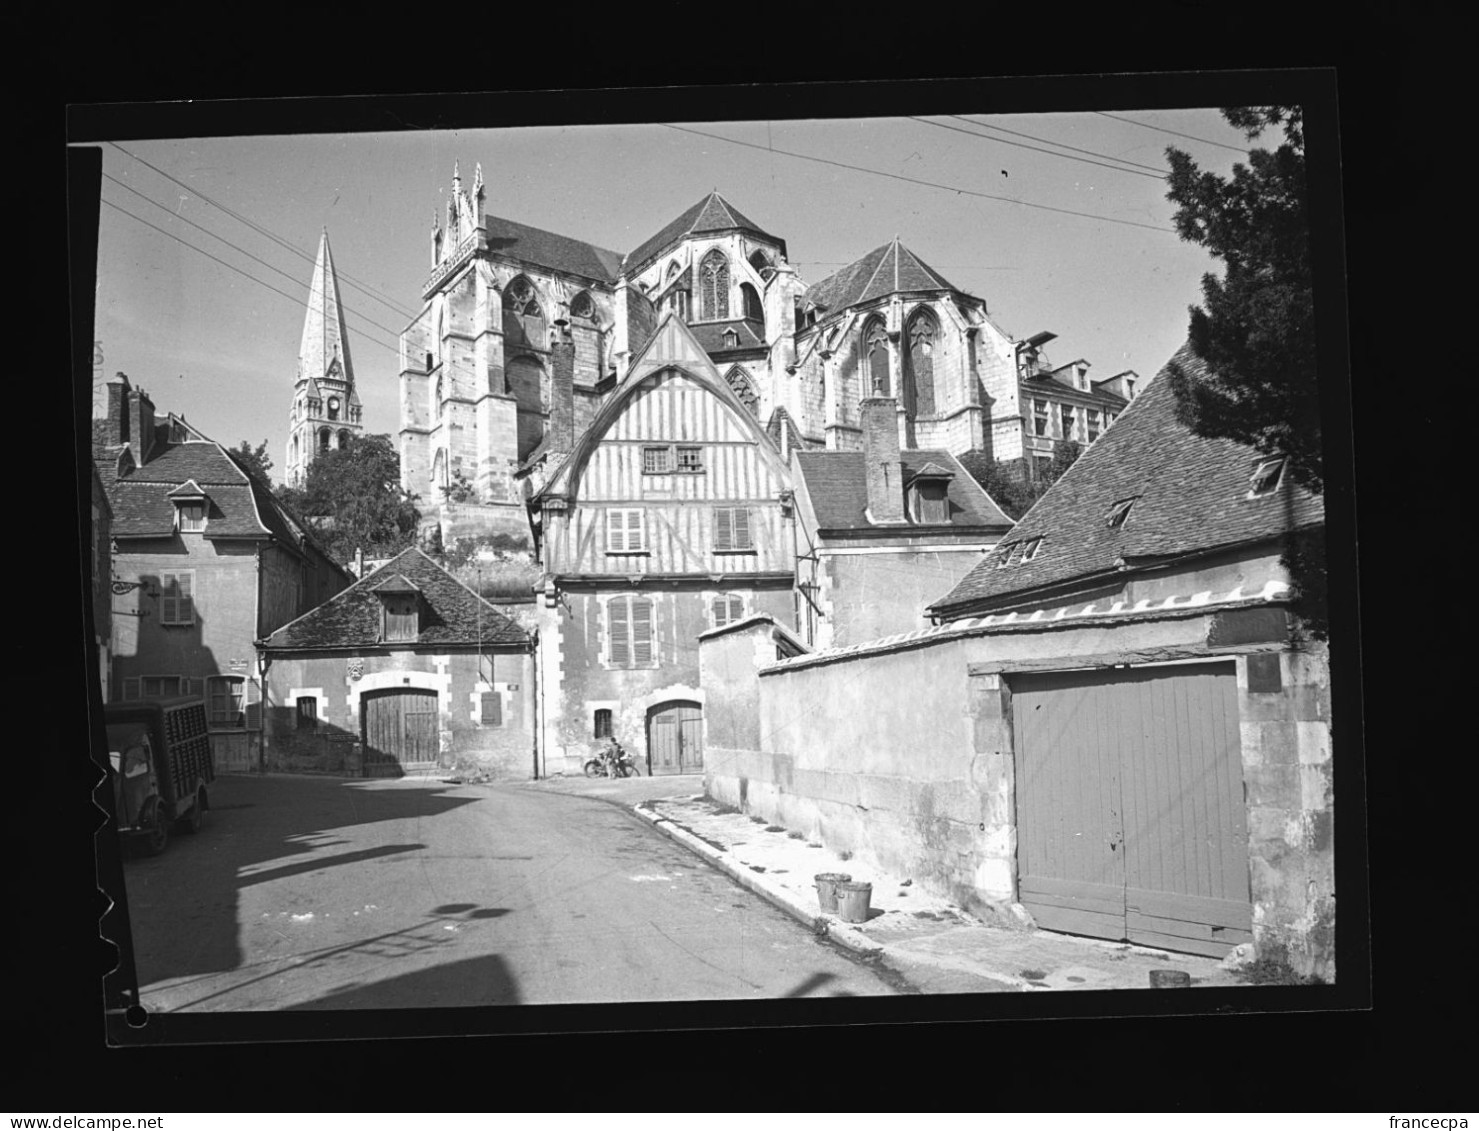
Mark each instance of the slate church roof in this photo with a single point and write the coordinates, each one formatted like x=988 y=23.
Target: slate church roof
x=549 y=249
x=451 y=613
x=883 y=271
x=1190 y=496
x=711 y=214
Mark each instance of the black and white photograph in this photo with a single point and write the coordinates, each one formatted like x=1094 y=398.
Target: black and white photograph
x=826 y=549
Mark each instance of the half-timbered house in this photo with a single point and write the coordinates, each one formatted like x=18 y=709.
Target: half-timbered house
x=670 y=517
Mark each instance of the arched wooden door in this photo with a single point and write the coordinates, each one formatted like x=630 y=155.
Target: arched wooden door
x=400 y=730
x=675 y=738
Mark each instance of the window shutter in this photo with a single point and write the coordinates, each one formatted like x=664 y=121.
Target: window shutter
x=186 y=600
x=253 y=704
x=636 y=535
x=718 y=608
x=741 y=522
x=168 y=603
x=615 y=532
x=619 y=628
x=641 y=631
x=723 y=529
x=492 y=708
x=736 y=607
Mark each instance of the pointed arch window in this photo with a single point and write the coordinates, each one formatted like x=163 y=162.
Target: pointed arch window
x=875 y=367
x=714 y=286
x=919 y=388
x=754 y=308
x=323 y=439
x=744 y=389
x=523 y=317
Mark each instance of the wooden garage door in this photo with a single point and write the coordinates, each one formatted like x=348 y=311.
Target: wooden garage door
x=1130 y=815
x=400 y=729
x=675 y=738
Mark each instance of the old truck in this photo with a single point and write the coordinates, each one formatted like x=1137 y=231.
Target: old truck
x=159 y=754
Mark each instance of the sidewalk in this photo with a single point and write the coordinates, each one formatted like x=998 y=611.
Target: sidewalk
x=936 y=946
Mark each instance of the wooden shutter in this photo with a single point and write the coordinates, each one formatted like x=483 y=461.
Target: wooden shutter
x=641 y=631
x=616 y=536
x=741 y=521
x=636 y=534
x=492 y=709
x=169 y=601
x=723 y=529
x=736 y=607
x=719 y=609
x=618 y=626
x=253 y=704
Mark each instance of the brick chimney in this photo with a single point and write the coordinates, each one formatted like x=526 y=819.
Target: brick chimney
x=118 y=409
x=885 y=471
x=562 y=389
x=141 y=424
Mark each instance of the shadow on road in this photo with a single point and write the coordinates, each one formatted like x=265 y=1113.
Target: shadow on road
x=479 y=981
x=183 y=905
x=809 y=986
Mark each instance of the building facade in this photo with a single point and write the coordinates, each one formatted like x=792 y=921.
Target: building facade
x=671 y=516
x=405 y=671
x=326 y=413
x=100 y=578
x=205 y=562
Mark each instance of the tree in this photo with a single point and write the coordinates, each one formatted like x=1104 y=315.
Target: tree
x=1256 y=328
x=352 y=497
x=1016 y=485
x=257 y=461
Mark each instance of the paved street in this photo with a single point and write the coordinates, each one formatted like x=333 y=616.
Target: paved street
x=320 y=893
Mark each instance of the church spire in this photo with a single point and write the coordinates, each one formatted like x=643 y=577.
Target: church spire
x=324 y=350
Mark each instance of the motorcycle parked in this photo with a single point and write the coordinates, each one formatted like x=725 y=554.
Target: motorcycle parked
x=612 y=762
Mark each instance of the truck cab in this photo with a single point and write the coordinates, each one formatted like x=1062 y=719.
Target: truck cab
x=159 y=758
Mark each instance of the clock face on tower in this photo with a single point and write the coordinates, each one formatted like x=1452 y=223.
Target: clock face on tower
x=333 y=408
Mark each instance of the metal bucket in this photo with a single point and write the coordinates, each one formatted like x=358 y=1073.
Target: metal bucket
x=827 y=889
x=852 y=902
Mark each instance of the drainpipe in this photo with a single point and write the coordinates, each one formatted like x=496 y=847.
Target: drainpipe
x=538 y=700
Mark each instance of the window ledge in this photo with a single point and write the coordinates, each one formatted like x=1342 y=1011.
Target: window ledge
x=745 y=550
x=628 y=553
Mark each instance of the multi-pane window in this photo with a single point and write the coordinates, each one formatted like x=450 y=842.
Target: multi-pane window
x=225 y=697
x=655 y=461
x=602 y=727
x=726 y=608
x=1040 y=417
x=192 y=516
x=626 y=531
x=491 y=709
x=713 y=276
x=629 y=632
x=1068 y=422
x=163 y=686
x=1266 y=477
x=307 y=712
x=176 y=598
x=732 y=529
x=1093 y=425
x=690 y=459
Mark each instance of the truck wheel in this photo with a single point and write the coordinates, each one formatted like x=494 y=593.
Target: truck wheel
x=156 y=830
x=195 y=819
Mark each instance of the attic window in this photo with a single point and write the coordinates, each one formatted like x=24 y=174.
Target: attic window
x=1006 y=555
x=1118 y=512
x=1266 y=477
x=731 y=338
x=192 y=516
x=400 y=616
x=1029 y=549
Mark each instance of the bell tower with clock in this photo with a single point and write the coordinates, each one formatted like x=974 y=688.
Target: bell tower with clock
x=326 y=412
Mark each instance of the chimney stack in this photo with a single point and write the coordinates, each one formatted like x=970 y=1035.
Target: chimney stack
x=141 y=424
x=885 y=471
x=562 y=388
x=118 y=408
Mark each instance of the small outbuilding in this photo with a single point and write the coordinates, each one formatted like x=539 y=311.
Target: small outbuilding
x=408 y=670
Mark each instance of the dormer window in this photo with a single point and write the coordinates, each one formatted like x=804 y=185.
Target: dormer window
x=400 y=601
x=1029 y=549
x=731 y=338
x=929 y=500
x=1119 y=512
x=192 y=517
x=1006 y=555
x=1266 y=477
x=190 y=507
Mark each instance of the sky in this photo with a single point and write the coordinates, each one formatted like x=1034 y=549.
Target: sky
x=1078 y=240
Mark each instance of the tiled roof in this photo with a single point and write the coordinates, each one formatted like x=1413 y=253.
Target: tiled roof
x=836 y=483
x=451 y=613
x=711 y=214
x=549 y=249
x=200 y=460
x=641 y=321
x=710 y=335
x=187 y=490
x=1051 y=387
x=883 y=271
x=396 y=583
x=145 y=510
x=1192 y=497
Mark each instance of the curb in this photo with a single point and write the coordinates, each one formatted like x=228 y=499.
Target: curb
x=838 y=932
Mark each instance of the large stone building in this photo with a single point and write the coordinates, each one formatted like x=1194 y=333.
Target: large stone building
x=326 y=406
x=478 y=364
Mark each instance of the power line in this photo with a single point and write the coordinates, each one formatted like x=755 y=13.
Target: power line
x=379 y=296
x=1162 y=129
x=293 y=298
x=927 y=184
x=244 y=251
x=1157 y=170
x=1034 y=148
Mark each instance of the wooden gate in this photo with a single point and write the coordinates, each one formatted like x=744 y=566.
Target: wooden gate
x=400 y=730
x=675 y=738
x=1130 y=814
